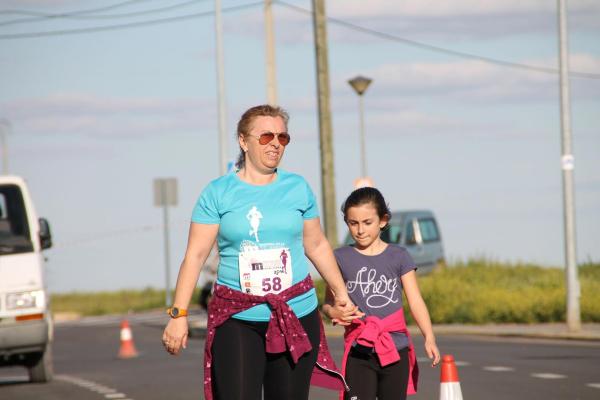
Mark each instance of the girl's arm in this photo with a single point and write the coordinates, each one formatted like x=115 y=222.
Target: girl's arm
x=200 y=240
x=419 y=311
x=319 y=252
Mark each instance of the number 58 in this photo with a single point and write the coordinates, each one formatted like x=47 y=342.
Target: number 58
x=271 y=284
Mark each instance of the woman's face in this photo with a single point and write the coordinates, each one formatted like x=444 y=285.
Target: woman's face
x=263 y=157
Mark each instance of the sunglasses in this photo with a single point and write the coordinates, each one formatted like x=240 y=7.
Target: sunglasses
x=267 y=137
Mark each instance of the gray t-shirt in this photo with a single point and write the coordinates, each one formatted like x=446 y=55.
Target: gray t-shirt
x=374 y=283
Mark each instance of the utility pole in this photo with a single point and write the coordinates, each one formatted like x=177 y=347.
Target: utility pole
x=325 y=130
x=270 y=53
x=223 y=140
x=4 y=129
x=567 y=162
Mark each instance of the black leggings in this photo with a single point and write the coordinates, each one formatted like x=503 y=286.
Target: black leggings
x=368 y=380
x=241 y=366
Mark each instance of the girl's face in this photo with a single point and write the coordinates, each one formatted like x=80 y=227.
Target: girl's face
x=364 y=224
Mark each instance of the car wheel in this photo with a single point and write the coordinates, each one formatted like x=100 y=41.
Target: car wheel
x=41 y=369
x=205 y=296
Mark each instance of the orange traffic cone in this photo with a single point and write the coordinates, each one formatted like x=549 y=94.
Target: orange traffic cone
x=449 y=382
x=127 y=349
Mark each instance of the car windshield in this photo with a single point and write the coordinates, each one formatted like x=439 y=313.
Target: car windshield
x=14 y=229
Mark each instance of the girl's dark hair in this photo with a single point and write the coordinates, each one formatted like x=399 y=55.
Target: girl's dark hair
x=245 y=124
x=367 y=195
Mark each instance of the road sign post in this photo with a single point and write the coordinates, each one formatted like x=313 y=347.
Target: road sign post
x=165 y=195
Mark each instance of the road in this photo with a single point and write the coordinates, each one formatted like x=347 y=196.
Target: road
x=87 y=367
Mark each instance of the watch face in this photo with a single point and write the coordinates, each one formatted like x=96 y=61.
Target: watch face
x=174 y=311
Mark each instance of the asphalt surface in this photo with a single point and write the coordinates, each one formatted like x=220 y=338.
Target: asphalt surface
x=490 y=367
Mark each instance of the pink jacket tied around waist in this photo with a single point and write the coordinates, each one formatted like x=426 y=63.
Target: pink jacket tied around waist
x=375 y=332
x=284 y=332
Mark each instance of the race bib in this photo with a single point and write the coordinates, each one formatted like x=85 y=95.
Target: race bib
x=265 y=271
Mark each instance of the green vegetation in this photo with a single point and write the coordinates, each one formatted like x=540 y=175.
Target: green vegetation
x=477 y=291
x=101 y=303
x=482 y=291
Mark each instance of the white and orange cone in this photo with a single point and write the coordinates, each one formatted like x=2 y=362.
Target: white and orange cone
x=449 y=382
x=127 y=349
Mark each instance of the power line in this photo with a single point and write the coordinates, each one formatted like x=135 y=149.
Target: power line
x=437 y=49
x=83 y=15
x=81 y=12
x=99 y=236
x=30 y=35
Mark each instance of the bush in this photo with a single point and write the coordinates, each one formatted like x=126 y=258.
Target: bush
x=476 y=291
x=483 y=291
x=102 y=303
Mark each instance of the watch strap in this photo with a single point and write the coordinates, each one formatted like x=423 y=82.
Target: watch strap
x=175 y=312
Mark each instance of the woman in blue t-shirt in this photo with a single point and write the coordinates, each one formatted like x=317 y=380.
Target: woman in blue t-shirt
x=266 y=222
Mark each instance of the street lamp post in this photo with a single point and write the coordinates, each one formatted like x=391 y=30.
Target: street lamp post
x=360 y=85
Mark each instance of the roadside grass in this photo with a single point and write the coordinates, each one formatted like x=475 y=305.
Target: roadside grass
x=482 y=291
x=103 y=303
x=477 y=291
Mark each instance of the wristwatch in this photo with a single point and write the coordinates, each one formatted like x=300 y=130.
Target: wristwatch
x=175 y=312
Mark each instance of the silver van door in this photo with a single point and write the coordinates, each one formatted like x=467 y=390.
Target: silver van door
x=414 y=243
x=430 y=241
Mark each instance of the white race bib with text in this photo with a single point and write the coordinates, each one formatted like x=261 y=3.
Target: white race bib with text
x=265 y=271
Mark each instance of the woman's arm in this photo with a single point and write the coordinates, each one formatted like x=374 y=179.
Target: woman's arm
x=319 y=252
x=419 y=311
x=200 y=240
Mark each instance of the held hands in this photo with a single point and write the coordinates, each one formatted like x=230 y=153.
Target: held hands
x=432 y=351
x=343 y=311
x=175 y=335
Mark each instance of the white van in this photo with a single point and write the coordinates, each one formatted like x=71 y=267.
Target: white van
x=26 y=328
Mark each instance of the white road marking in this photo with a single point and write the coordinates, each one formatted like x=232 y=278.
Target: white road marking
x=594 y=385
x=428 y=360
x=115 y=396
x=498 y=368
x=462 y=363
x=548 y=375
x=103 y=390
x=108 y=393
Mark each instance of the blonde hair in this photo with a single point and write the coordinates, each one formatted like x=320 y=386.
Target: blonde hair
x=245 y=124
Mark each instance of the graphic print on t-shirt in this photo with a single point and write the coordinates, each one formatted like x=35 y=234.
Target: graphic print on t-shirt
x=254 y=217
x=378 y=292
x=283 y=256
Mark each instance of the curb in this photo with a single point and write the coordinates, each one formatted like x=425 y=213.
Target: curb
x=589 y=332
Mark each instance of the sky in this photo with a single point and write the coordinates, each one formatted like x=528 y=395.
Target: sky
x=101 y=102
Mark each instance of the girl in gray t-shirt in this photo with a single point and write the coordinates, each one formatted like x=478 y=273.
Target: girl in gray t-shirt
x=375 y=274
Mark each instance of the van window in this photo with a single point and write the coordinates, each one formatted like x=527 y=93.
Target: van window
x=429 y=230
x=14 y=229
x=410 y=233
x=394 y=233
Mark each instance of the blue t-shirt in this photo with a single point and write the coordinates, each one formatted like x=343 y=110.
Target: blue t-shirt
x=373 y=282
x=282 y=206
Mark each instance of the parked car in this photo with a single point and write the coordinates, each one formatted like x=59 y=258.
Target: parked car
x=418 y=232
x=26 y=328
